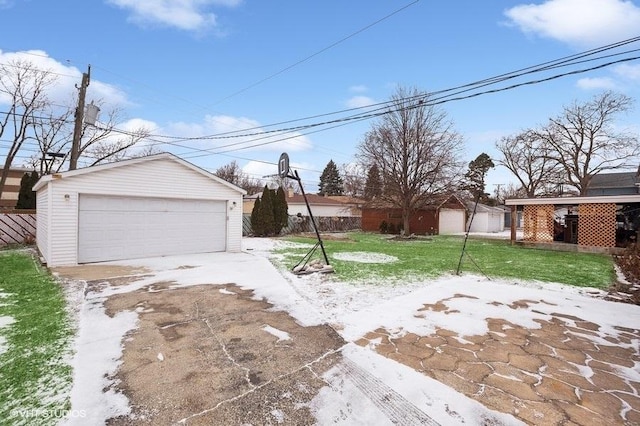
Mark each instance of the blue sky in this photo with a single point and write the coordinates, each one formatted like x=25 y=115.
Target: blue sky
x=191 y=68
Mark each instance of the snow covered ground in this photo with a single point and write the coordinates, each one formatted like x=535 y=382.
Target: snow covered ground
x=353 y=310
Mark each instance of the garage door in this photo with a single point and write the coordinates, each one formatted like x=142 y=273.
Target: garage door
x=451 y=221
x=115 y=228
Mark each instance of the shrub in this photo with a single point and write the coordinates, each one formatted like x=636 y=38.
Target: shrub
x=392 y=228
x=384 y=227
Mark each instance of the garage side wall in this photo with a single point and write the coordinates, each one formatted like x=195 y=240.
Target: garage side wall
x=162 y=178
x=42 y=221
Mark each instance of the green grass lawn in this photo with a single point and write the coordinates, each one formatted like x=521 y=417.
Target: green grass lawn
x=438 y=255
x=35 y=375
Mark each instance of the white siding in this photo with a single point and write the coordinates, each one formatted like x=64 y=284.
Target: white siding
x=480 y=222
x=488 y=221
x=163 y=177
x=42 y=221
x=319 y=210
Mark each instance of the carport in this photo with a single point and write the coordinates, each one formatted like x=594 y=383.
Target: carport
x=151 y=206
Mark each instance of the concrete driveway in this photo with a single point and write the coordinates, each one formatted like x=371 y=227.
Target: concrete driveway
x=207 y=354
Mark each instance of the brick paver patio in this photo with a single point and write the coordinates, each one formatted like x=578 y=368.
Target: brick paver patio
x=563 y=373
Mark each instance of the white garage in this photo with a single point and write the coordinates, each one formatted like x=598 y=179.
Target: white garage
x=152 y=206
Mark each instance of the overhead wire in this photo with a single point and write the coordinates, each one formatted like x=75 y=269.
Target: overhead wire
x=376 y=110
x=332 y=45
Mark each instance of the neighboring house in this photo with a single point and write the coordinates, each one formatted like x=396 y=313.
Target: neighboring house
x=623 y=183
x=486 y=219
x=248 y=201
x=596 y=221
x=12 y=188
x=144 y=207
x=352 y=203
x=445 y=215
x=338 y=206
x=320 y=206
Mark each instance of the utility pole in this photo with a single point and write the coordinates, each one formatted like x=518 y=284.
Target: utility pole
x=77 y=130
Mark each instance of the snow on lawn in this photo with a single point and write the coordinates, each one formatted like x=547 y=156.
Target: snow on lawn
x=4 y=322
x=352 y=309
x=364 y=257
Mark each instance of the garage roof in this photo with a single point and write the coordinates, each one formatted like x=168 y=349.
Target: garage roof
x=165 y=155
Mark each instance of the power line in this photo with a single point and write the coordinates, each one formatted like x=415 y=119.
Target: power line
x=448 y=95
x=332 y=45
x=563 y=62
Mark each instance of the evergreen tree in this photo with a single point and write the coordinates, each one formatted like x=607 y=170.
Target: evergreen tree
x=280 y=211
x=266 y=211
x=475 y=176
x=257 y=224
x=373 y=185
x=26 y=196
x=330 y=180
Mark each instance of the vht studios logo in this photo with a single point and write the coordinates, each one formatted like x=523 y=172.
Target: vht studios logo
x=56 y=413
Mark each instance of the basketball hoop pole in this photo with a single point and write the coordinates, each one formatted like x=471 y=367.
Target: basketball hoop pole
x=284 y=171
x=313 y=221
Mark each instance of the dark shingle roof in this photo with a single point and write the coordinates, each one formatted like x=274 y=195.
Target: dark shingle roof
x=613 y=180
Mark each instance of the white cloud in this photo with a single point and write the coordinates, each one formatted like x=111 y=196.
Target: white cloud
x=138 y=123
x=189 y=15
x=239 y=134
x=360 y=101
x=629 y=72
x=358 y=89
x=63 y=91
x=596 y=83
x=581 y=23
x=258 y=170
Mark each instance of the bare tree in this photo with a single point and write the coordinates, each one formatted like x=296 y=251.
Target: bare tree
x=526 y=155
x=51 y=131
x=510 y=190
x=585 y=142
x=416 y=150
x=353 y=179
x=23 y=89
x=232 y=173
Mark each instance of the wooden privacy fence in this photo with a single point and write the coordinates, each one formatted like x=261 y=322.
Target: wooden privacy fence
x=17 y=227
x=303 y=224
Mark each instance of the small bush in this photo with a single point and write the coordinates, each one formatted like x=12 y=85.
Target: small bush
x=384 y=227
x=629 y=263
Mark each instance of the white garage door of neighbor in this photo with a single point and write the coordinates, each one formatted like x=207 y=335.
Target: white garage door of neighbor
x=116 y=228
x=451 y=221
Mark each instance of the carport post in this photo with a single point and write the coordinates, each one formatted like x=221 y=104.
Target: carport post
x=514 y=221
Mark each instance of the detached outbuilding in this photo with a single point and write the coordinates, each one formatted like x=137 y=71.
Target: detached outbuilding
x=442 y=215
x=485 y=219
x=144 y=207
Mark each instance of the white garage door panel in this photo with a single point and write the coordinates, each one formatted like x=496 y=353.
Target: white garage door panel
x=114 y=228
x=451 y=221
